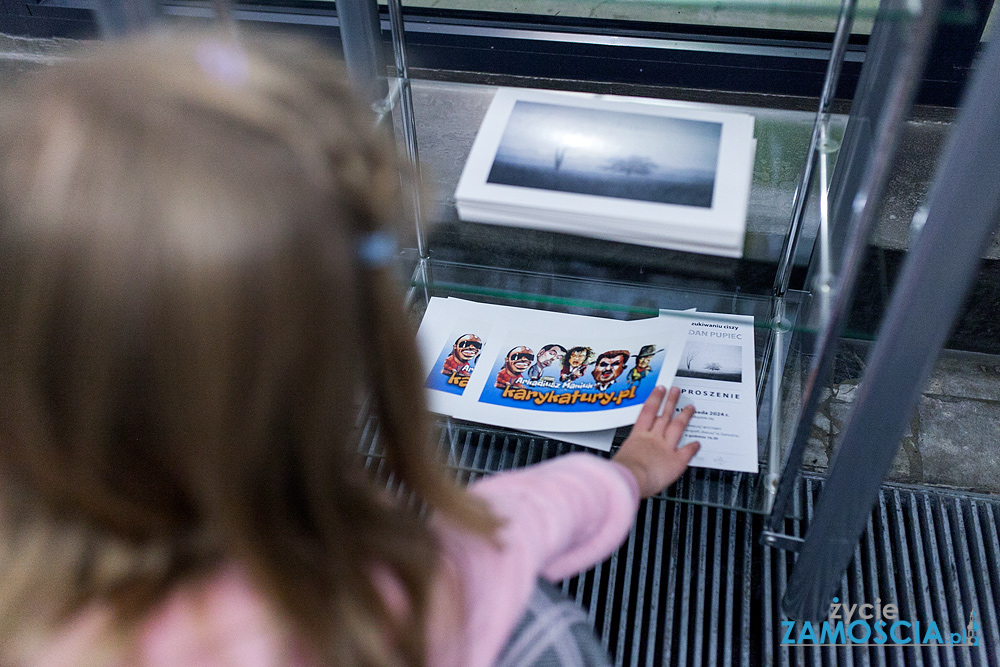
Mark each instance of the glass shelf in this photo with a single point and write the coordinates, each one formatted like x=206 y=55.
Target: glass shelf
x=622 y=300
x=481 y=449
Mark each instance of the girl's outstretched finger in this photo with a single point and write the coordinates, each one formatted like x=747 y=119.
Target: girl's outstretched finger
x=686 y=453
x=668 y=409
x=675 y=429
x=644 y=422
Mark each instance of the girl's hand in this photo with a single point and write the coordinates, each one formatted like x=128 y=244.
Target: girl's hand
x=650 y=452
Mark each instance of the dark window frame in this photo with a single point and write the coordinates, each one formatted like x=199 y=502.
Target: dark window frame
x=468 y=44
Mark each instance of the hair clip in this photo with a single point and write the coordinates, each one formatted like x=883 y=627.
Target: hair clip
x=226 y=63
x=377 y=249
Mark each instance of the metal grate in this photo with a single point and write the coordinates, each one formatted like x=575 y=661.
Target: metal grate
x=692 y=586
x=932 y=552
x=472 y=448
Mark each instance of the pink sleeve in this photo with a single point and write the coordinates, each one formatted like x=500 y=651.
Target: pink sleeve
x=565 y=515
x=562 y=517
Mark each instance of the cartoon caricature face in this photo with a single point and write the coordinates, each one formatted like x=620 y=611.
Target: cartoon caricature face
x=468 y=347
x=549 y=354
x=609 y=366
x=642 y=363
x=577 y=357
x=519 y=359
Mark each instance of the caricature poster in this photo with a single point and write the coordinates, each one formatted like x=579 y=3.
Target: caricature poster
x=451 y=347
x=455 y=364
x=568 y=377
x=543 y=371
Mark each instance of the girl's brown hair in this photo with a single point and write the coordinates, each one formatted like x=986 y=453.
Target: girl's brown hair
x=187 y=331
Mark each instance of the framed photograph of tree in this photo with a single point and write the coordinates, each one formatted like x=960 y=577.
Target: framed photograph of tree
x=636 y=170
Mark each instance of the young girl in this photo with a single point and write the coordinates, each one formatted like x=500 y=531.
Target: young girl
x=196 y=295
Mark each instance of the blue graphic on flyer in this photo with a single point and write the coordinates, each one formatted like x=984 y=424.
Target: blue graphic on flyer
x=457 y=361
x=563 y=377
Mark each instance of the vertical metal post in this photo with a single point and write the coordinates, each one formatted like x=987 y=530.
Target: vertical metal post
x=361 y=35
x=773 y=352
x=893 y=66
x=840 y=39
x=407 y=118
x=779 y=334
x=117 y=18
x=224 y=13
x=963 y=210
x=823 y=285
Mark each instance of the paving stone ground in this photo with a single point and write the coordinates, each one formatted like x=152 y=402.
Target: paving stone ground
x=954 y=435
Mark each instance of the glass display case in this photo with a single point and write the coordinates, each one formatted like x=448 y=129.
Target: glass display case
x=817 y=183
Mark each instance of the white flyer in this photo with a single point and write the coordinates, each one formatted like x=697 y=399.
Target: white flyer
x=543 y=371
x=716 y=373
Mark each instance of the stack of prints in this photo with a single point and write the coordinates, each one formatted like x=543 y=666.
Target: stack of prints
x=578 y=379
x=651 y=172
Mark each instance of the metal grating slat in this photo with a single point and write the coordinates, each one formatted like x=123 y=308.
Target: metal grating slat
x=954 y=595
x=655 y=622
x=621 y=644
x=606 y=601
x=642 y=607
x=924 y=573
x=746 y=584
x=887 y=572
x=698 y=638
x=686 y=565
x=673 y=570
x=595 y=577
x=717 y=572
x=770 y=612
x=797 y=529
x=939 y=598
x=854 y=594
x=967 y=581
x=989 y=593
x=729 y=603
x=907 y=581
x=870 y=565
x=793 y=655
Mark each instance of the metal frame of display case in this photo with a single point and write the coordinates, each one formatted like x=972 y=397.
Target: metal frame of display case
x=848 y=208
x=848 y=212
x=962 y=211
